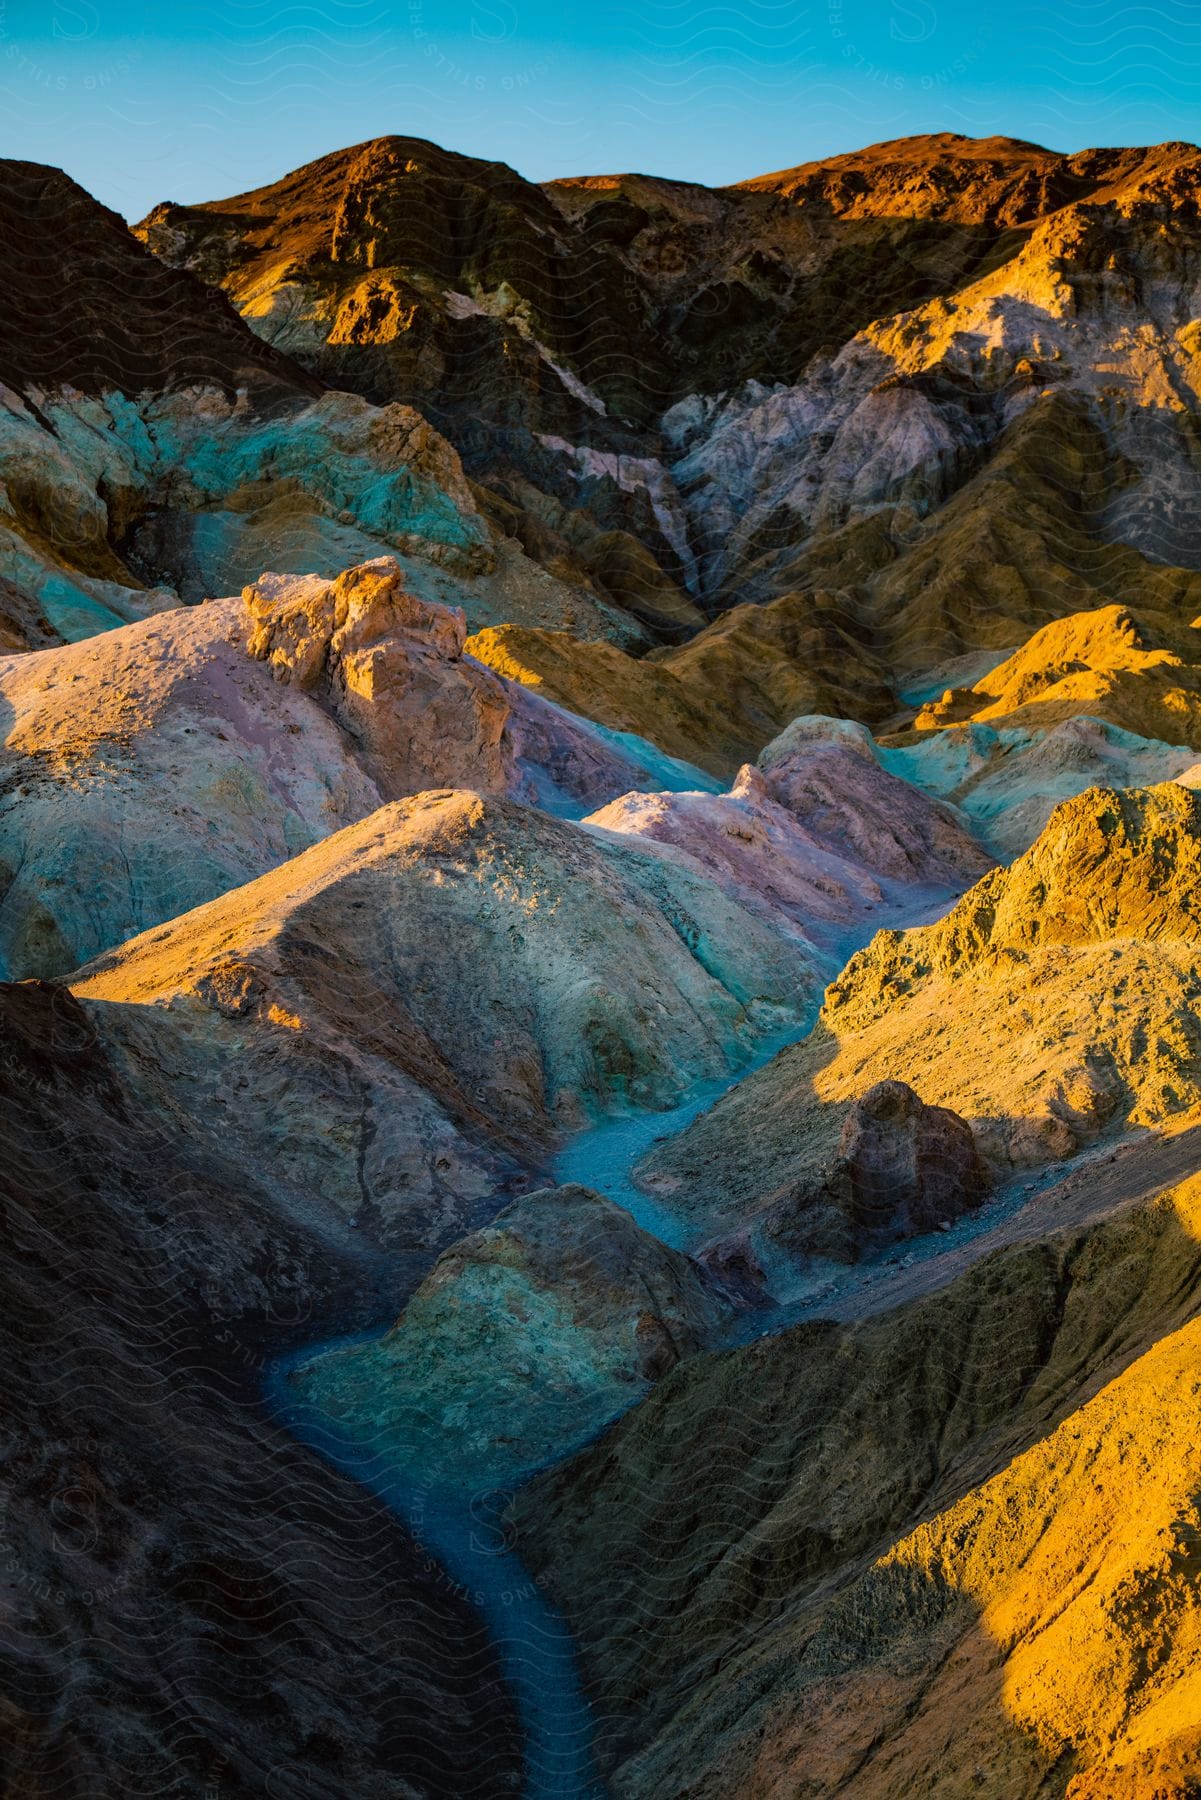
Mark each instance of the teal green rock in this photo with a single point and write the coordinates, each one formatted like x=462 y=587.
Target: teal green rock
x=523 y=1342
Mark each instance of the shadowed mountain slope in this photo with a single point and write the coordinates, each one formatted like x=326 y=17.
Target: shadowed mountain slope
x=153 y=448
x=192 y=1603
x=86 y=308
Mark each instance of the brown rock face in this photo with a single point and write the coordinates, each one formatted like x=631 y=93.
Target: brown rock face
x=390 y=668
x=23 y=626
x=902 y=1168
x=181 y=1578
x=84 y=303
x=992 y=182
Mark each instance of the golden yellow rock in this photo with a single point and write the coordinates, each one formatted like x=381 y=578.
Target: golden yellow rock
x=1103 y=663
x=1060 y=997
x=718 y=699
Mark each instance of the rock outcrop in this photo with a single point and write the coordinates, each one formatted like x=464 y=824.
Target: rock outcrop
x=149 y=771
x=993 y=182
x=906 y=410
x=391 y=671
x=901 y=1169
x=409 y=273
x=816 y=838
x=885 y=379
x=523 y=1341
x=1103 y=664
x=432 y=998
x=945 y=1550
x=826 y=773
x=1056 y=1000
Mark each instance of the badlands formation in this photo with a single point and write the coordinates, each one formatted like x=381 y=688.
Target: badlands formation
x=600 y=1014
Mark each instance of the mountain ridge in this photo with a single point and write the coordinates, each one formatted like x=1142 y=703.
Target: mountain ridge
x=601 y=777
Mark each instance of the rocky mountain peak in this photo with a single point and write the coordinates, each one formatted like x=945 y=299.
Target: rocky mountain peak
x=85 y=306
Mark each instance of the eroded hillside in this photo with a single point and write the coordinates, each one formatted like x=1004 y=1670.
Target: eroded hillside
x=599 y=871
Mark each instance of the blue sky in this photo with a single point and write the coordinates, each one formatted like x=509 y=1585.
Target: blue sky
x=145 y=102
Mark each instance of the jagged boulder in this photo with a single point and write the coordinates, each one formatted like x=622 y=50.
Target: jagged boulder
x=902 y=1168
x=391 y=669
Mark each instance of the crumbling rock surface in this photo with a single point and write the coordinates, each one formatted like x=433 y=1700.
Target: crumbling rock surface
x=901 y=1169
x=391 y=670
x=192 y=1602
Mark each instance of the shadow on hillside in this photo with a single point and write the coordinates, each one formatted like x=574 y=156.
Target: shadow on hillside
x=717 y=1551
x=166 y=1547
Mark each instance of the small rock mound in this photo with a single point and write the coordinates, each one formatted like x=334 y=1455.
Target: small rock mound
x=825 y=772
x=1104 y=663
x=806 y=838
x=1104 y=640
x=902 y=1169
x=531 y=1334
